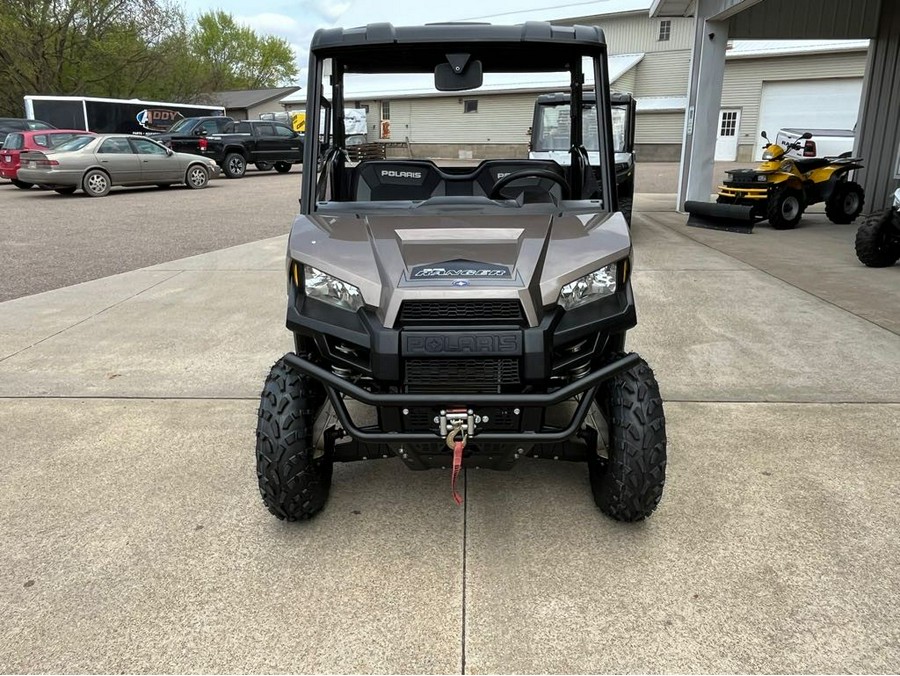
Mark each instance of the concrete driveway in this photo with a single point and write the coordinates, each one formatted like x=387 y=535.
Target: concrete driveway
x=133 y=537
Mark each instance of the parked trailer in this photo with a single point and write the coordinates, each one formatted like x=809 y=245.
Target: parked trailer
x=112 y=116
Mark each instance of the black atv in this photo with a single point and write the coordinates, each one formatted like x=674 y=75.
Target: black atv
x=549 y=137
x=460 y=316
x=878 y=238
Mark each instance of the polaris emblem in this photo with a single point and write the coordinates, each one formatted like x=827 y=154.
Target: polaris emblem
x=495 y=343
x=401 y=174
x=461 y=270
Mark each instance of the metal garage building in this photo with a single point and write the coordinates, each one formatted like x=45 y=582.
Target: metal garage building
x=768 y=84
x=718 y=21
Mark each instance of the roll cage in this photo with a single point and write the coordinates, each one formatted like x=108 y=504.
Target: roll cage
x=385 y=49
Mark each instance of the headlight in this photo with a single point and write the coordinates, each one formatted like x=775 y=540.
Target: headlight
x=768 y=155
x=317 y=284
x=594 y=286
x=897 y=198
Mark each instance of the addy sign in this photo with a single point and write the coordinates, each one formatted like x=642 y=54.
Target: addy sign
x=158 y=119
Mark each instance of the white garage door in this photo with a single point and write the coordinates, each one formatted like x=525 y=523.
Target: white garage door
x=808 y=104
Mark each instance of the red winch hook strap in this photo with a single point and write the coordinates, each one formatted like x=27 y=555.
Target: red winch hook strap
x=457 y=466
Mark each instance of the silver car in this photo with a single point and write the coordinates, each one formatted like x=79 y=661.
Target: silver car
x=96 y=163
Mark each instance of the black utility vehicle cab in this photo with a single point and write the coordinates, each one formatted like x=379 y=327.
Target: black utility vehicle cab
x=550 y=136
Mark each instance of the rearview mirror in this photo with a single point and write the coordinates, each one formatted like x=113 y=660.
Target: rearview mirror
x=764 y=136
x=170 y=152
x=806 y=135
x=458 y=75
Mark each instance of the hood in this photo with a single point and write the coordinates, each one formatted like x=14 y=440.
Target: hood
x=399 y=256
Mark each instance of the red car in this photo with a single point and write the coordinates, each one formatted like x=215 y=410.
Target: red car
x=18 y=142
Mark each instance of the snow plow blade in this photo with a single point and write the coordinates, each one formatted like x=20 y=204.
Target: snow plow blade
x=728 y=217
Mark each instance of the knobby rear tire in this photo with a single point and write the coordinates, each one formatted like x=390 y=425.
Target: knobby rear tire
x=874 y=246
x=845 y=203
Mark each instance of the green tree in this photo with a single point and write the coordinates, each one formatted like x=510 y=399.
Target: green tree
x=236 y=57
x=130 y=48
x=83 y=47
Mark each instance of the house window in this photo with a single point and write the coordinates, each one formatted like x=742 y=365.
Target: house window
x=728 y=125
x=470 y=106
x=665 y=30
x=385 y=110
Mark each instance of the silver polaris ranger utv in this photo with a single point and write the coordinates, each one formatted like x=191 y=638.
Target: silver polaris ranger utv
x=459 y=313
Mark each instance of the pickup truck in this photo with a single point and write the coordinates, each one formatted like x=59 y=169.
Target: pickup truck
x=824 y=142
x=265 y=143
x=184 y=136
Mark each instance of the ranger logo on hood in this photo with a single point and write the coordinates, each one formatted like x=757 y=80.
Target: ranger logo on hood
x=458 y=268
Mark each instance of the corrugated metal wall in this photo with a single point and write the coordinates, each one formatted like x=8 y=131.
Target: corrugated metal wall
x=624 y=83
x=813 y=19
x=744 y=80
x=663 y=74
x=658 y=127
x=501 y=118
x=631 y=33
x=879 y=130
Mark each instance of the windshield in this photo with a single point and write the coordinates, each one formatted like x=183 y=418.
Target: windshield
x=181 y=124
x=76 y=143
x=552 y=133
x=450 y=147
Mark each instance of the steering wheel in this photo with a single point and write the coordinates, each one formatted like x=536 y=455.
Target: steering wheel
x=529 y=173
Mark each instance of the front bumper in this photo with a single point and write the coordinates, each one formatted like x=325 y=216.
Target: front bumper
x=569 y=439
x=585 y=389
x=738 y=194
x=544 y=409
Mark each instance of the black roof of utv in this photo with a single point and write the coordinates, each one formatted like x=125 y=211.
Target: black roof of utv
x=533 y=46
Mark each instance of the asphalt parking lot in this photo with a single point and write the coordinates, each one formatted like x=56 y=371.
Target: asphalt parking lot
x=49 y=241
x=134 y=540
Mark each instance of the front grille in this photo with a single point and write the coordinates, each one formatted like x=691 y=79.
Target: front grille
x=442 y=311
x=460 y=376
x=746 y=179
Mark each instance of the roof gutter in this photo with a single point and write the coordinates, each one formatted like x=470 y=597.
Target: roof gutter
x=768 y=54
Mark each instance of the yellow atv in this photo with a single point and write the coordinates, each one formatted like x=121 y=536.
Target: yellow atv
x=780 y=189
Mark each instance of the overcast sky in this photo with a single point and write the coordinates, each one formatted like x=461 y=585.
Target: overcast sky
x=297 y=20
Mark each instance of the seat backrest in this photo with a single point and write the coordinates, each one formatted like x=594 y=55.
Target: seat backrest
x=492 y=171
x=380 y=180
